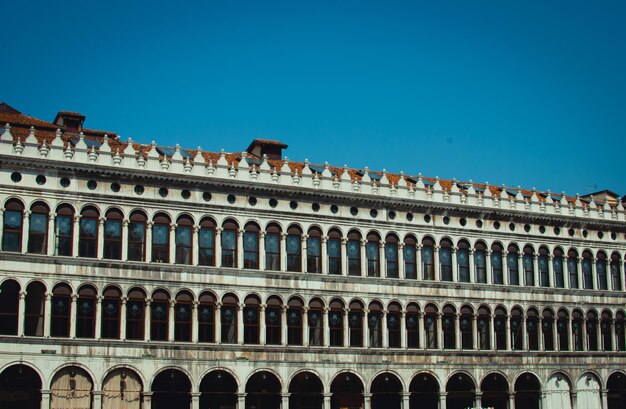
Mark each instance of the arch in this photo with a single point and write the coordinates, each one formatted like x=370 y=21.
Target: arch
x=386 y=390
x=86 y=311
x=229 y=318
x=13 y=223
x=528 y=391
x=38 y=228
x=88 y=227
x=20 y=387
x=121 y=389
x=9 y=307
x=135 y=313
x=71 y=387
x=171 y=388
x=460 y=390
x=314 y=250
x=495 y=391
x=616 y=386
x=306 y=391
x=588 y=391
x=183 y=316
x=218 y=388
x=263 y=390
x=347 y=390
x=558 y=389
x=424 y=391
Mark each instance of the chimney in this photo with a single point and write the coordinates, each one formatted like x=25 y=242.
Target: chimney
x=273 y=149
x=70 y=121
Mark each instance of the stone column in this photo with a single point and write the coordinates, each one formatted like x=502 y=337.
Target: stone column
x=382 y=259
x=98 y=314
x=520 y=270
x=367 y=400
x=508 y=335
x=488 y=267
x=100 y=239
x=262 y=326
x=418 y=262
x=123 y=318
x=72 y=329
x=406 y=400
x=241 y=401
x=148 y=326
x=25 y=230
x=579 y=276
x=51 y=237
x=492 y=333
x=324 y=250
x=536 y=270
x=47 y=314
x=366 y=328
x=305 y=326
x=523 y=334
x=327 y=397
x=363 y=256
x=195 y=400
x=470 y=266
x=218 y=322
x=551 y=281
x=283 y=252
x=436 y=262
x=475 y=332
x=148 y=243
x=125 y=239
x=478 y=401
x=195 y=246
x=401 y=266
x=385 y=333
x=284 y=400
x=403 y=329
x=283 y=325
x=21 y=313
x=262 y=251
x=605 y=401
x=146 y=400
x=505 y=268
x=344 y=256
x=583 y=329
x=194 y=321
x=240 y=327
x=171 y=321
x=457 y=332
x=326 y=326
x=346 y=329
x=97 y=399
x=303 y=253
x=45 y=397
x=455 y=265
x=218 y=247
x=421 y=334
x=172 y=244
x=75 y=235
x=439 y=331
x=442 y=400
x=512 y=400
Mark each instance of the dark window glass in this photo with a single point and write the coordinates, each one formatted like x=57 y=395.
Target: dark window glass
x=516 y=333
x=9 y=307
x=294 y=325
x=391 y=257
x=354 y=257
x=313 y=254
x=112 y=239
x=428 y=263
x=445 y=261
x=135 y=318
x=572 y=269
x=480 y=265
x=88 y=237
x=448 y=324
x=616 y=277
x=412 y=329
x=206 y=322
x=34 y=317
x=466 y=326
x=206 y=246
x=557 y=266
x=182 y=321
x=513 y=265
x=587 y=279
x=496 y=267
x=529 y=270
x=577 y=332
x=183 y=244
x=533 y=333
x=335 y=322
x=601 y=273
x=161 y=243
x=251 y=325
x=12 y=231
x=334 y=256
x=562 y=328
x=499 y=326
x=293 y=252
x=544 y=270
x=374 y=327
x=85 y=316
x=61 y=312
x=273 y=325
x=229 y=248
x=110 y=318
x=394 y=329
x=64 y=237
x=484 y=332
x=159 y=314
x=373 y=259
x=136 y=241
x=316 y=333
x=229 y=324
x=38 y=233
x=355 y=325
x=272 y=251
x=462 y=256
x=251 y=250
x=410 y=262
x=430 y=327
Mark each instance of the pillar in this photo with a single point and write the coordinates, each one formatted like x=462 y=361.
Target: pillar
x=25 y=230
x=283 y=252
x=436 y=263
x=488 y=267
x=45 y=399
x=509 y=335
x=406 y=400
x=47 y=315
x=195 y=246
x=605 y=401
x=326 y=326
x=505 y=268
x=403 y=331
x=123 y=318
x=218 y=247
x=195 y=400
x=385 y=332
x=100 y=238
x=455 y=265
x=51 y=237
x=97 y=399
x=283 y=325
x=146 y=400
x=172 y=244
x=194 y=322
x=21 y=314
x=147 y=326
x=418 y=263
x=327 y=397
x=457 y=332
x=367 y=400
x=98 y=314
x=512 y=400
x=382 y=259
x=125 y=239
x=470 y=266
x=218 y=322
x=305 y=326
x=475 y=333
x=148 y=244
x=579 y=274
x=171 y=319
x=401 y=267
x=536 y=277
x=363 y=256
x=439 y=331
x=262 y=251
x=241 y=401
x=442 y=400
x=72 y=329
x=240 y=327
x=346 y=329
x=344 y=256
x=324 y=267
x=262 y=326
x=492 y=333
x=75 y=235
x=303 y=253
x=478 y=401
x=285 y=400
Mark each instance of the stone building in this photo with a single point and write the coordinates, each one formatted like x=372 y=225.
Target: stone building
x=146 y=276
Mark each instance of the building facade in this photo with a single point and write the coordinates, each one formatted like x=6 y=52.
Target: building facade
x=144 y=276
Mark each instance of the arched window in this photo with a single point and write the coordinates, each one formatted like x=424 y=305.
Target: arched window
x=448 y=324
x=620 y=331
x=12 y=226
x=355 y=323
x=430 y=326
x=184 y=244
x=572 y=268
x=206 y=317
x=462 y=258
x=294 y=322
x=372 y=251
x=601 y=271
x=136 y=314
x=273 y=321
x=9 y=307
x=294 y=249
x=229 y=319
x=206 y=242
x=316 y=323
x=547 y=323
x=616 y=275
x=587 y=267
x=137 y=236
x=272 y=247
x=182 y=316
x=480 y=262
x=34 y=317
x=64 y=229
x=374 y=325
x=410 y=258
x=512 y=262
x=61 y=311
x=557 y=267
x=544 y=267
x=251 y=320
x=499 y=327
x=110 y=314
x=497 y=270
x=159 y=316
x=428 y=258
x=606 y=330
x=229 y=244
x=38 y=228
x=516 y=329
x=484 y=328
x=161 y=238
x=334 y=252
x=335 y=322
x=528 y=261
x=562 y=328
x=412 y=326
x=445 y=260
x=314 y=251
x=251 y=246
x=391 y=256
x=577 y=330
x=592 y=331
x=88 y=232
x=112 y=248
x=466 y=326
x=354 y=253
x=394 y=329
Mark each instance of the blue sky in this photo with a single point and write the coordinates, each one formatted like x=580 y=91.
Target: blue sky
x=529 y=93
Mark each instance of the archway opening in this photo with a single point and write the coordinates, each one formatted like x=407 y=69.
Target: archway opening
x=527 y=391
x=386 y=392
x=218 y=391
x=460 y=392
x=71 y=387
x=20 y=387
x=424 y=390
x=263 y=391
x=616 y=386
x=347 y=390
x=495 y=391
x=171 y=389
x=306 y=392
x=122 y=389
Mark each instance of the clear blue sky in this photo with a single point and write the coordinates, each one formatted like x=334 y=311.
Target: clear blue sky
x=529 y=93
